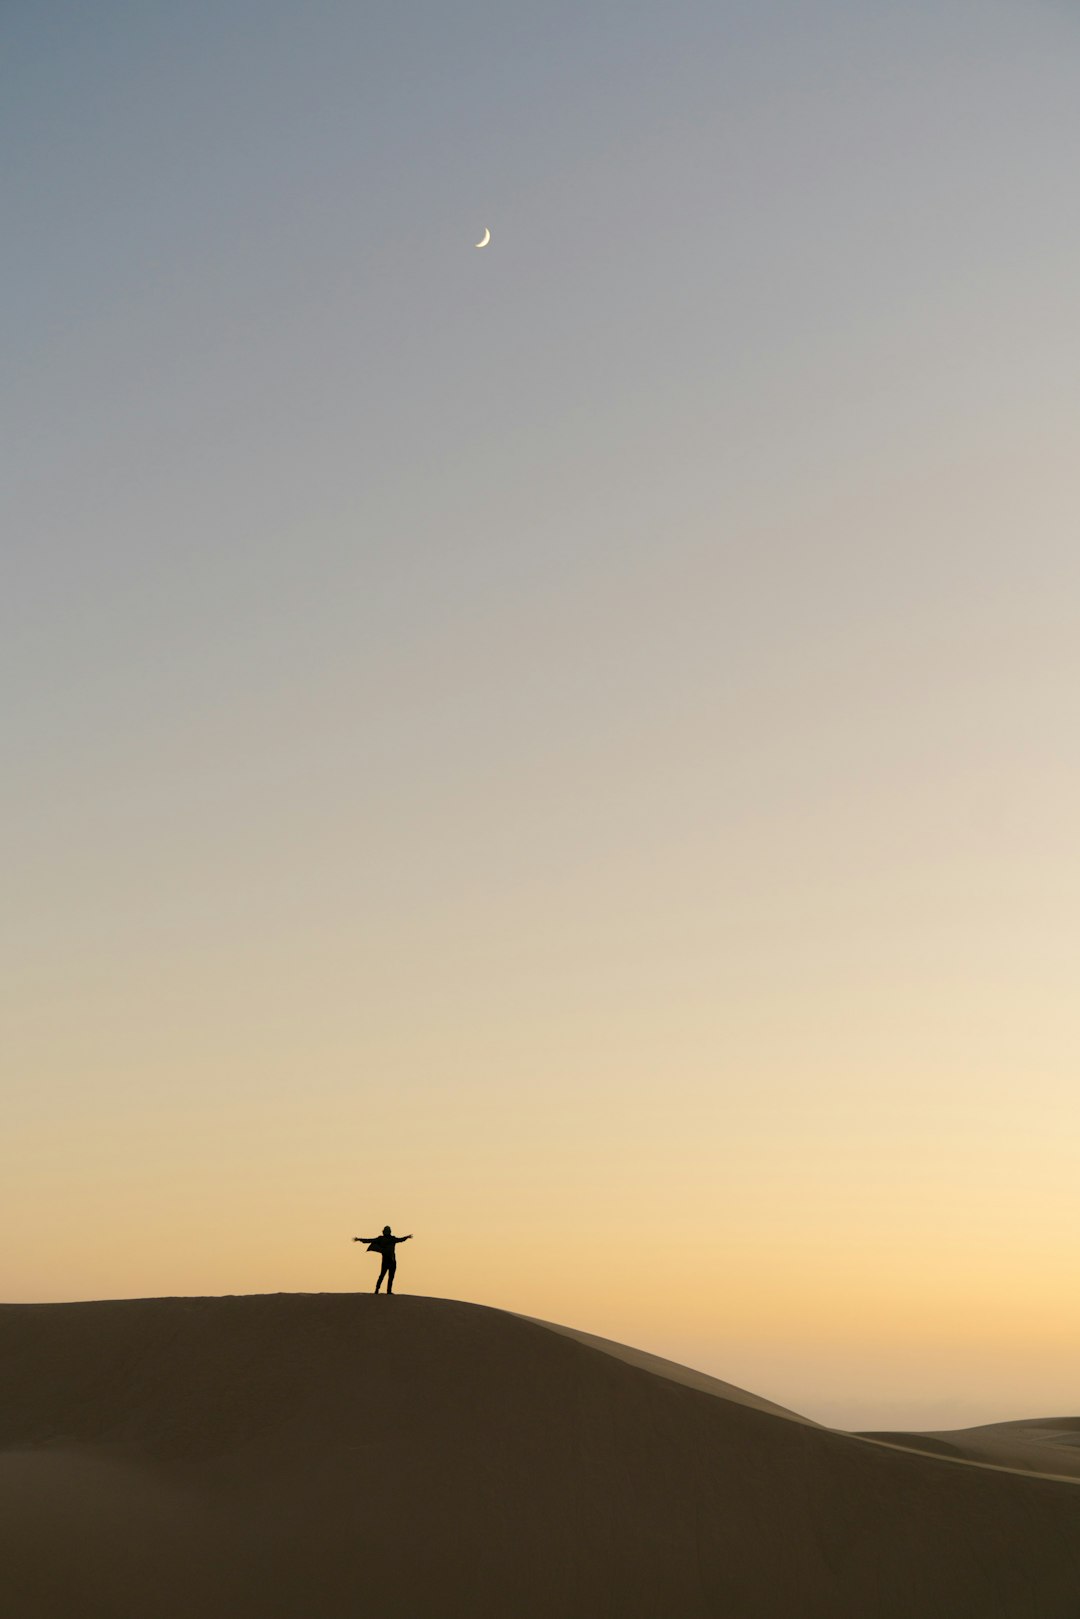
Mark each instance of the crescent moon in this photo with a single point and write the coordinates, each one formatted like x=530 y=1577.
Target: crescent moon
x=485 y=239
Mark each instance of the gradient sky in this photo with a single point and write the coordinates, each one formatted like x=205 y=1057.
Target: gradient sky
x=569 y=749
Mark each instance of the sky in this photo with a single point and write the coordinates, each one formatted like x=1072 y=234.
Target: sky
x=569 y=749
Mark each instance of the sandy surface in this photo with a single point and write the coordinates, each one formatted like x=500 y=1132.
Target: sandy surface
x=317 y=1456
x=1048 y=1445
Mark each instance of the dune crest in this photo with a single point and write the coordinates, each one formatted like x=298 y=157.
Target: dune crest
x=335 y=1456
x=1049 y=1446
x=673 y=1371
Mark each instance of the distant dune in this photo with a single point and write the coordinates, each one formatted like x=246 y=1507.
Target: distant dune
x=1040 y=1445
x=323 y=1456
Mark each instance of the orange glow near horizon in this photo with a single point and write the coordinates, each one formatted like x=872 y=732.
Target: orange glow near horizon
x=570 y=749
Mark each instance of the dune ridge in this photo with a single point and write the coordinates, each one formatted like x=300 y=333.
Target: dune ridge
x=672 y=1370
x=318 y=1456
x=1049 y=1446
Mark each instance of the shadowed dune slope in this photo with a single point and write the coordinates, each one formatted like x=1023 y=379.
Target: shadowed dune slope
x=322 y=1456
x=1039 y=1445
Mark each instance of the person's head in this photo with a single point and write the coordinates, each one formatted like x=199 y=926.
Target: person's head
x=386 y=1230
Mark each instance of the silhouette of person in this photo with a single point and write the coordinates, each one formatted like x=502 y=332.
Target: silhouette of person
x=385 y=1245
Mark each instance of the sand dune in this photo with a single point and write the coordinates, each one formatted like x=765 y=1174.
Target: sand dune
x=323 y=1456
x=1049 y=1445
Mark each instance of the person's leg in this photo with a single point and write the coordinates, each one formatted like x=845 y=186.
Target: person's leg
x=382 y=1273
x=391 y=1265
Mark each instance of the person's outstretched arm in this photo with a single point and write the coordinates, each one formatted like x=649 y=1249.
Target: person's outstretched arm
x=405 y=1239
x=365 y=1239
